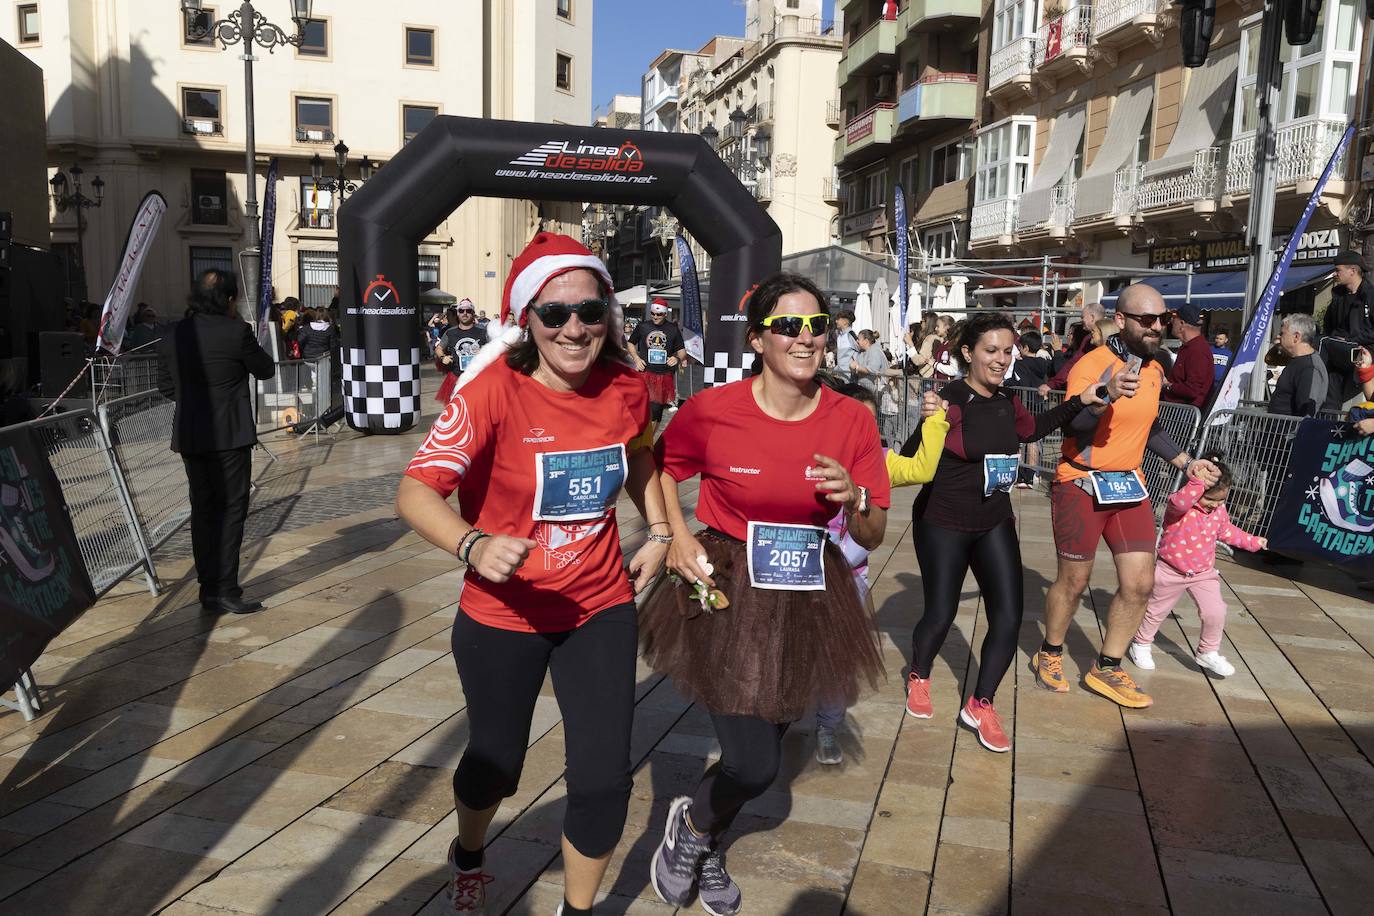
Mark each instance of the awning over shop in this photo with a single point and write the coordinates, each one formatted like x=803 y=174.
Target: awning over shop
x=1221 y=290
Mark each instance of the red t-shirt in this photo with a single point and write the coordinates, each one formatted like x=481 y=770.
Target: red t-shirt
x=754 y=467
x=487 y=445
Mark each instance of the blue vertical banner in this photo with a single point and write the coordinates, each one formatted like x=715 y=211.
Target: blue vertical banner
x=269 y=233
x=693 y=338
x=903 y=251
x=1256 y=339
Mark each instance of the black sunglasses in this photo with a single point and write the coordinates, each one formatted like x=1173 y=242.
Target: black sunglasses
x=1148 y=319
x=556 y=314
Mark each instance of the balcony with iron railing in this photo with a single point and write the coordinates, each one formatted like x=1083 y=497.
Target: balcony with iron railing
x=763 y=113
x=1196 y=185
x=1062 y=43
x=1302 y=148
x=1124 y=189
x=316 y=218
x=834 y=113
x=1056 y=221
x=867 y=136
x=664 y=95
x=314 y=135
x=873 y=49
x=1117 y=23
x=763 y=188
x=833 y=191
x=202 y=127
x=930 y=15
x=938 y=98
x=1010 y=67
x=993 y=221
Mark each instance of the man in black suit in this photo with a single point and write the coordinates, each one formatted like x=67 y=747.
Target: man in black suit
x=204 y=363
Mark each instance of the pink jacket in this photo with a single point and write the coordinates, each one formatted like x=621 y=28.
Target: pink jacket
x=1189 y=542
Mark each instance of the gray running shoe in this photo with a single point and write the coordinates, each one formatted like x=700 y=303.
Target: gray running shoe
x=674 y=869
x=827 y=748
x=720 y=894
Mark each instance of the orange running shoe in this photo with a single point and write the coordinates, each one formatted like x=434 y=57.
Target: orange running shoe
x=1049 y=671
x=918 y=697
x=982 y=718
x=1117 y=686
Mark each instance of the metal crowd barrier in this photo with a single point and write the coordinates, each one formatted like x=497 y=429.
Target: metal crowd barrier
x=1256 y=445
x=139 y=429
x=297 y=394
x=129 y=373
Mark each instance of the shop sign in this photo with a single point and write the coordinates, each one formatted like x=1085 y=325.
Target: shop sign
x=1316 y=246
x=864 y=222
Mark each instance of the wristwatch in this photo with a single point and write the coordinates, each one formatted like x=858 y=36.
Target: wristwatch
x=1104 y=394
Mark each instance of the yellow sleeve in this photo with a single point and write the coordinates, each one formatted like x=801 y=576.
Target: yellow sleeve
x=920 y=468
x=644 y=440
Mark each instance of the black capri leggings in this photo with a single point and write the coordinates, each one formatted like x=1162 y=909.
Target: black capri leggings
x=750 y=754
x=945 y=556
x=593 y=671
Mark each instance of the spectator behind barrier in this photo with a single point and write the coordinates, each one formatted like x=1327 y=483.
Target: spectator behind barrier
x=1302 y=386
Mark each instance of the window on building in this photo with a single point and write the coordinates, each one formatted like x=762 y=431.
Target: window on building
x=196 y=29
x=414 y=118
x=873 y=189
x=314 y=120
x=1012 y=19
x=941 y=244
x=907 y=174
x=428 y=276
x=793 y=4
x=29 y=32
x=317 y=205
x=1142 y=142
x=562 y=73
x=319 y=274
x=1318 y=78
x=565 y=9
x=209 y=197
x=200 y=111
x=1004 y=159
x=420 y=47
x=205 y=257
x=315 y=38
x=950 y=162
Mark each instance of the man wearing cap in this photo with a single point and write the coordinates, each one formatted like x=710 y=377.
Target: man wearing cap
x=658 y=350
x=1350 y=319
x=462 y=340
x=1190 y=380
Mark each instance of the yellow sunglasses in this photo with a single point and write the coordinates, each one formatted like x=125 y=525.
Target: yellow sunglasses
x=792 y=325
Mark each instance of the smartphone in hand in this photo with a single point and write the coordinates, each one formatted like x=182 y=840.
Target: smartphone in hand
x=1133 y=363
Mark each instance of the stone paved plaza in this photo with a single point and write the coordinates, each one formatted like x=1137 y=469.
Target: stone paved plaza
x=298 y=760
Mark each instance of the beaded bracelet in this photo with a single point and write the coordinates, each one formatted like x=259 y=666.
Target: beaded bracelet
x=458 y=551
x=467 y=554
x=661 y=538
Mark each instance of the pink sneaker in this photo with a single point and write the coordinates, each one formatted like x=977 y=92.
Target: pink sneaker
x=918 y=697
x=982 y=718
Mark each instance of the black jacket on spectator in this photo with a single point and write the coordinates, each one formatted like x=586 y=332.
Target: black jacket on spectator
x=316 y=342
x=1350 y=316
x=204 y=364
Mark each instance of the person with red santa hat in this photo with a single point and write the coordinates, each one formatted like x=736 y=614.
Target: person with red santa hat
x=545 y=429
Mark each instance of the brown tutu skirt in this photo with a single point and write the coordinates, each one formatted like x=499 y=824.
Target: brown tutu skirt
x=770 y=654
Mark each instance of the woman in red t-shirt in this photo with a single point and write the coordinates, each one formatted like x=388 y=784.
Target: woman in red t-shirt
x=778 y=455
x=547 y=426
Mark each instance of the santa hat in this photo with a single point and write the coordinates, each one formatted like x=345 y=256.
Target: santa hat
x=659 y=307
x=548 y=255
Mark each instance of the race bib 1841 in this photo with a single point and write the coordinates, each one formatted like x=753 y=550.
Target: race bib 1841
x=1116 y=487
x=576 y=486
x=786 y=557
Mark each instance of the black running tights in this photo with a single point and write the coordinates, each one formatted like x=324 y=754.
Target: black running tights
x=750 y=754
x=945 y=556
x=593 y=670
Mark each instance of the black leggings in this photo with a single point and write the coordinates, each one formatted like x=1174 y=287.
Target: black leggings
x=945 y=556
x=750 y=754
x=593 y=671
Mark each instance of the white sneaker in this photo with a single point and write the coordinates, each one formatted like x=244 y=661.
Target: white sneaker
x=1216 y=663
x=1142 y=656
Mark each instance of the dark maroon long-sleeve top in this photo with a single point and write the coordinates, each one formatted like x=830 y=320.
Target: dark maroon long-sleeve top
x=1190 y=381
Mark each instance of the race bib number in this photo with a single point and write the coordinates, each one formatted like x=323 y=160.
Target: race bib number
x=1116 y=487
x=464 y=362
x=999 y=473
x=786 y=557
x=658 y=356
x=577 y=486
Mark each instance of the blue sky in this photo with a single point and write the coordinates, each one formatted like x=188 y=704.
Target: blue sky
x=628 y=34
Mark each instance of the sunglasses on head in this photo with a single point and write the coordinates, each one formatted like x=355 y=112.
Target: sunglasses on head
x=556 y=314
x=1148 y=319
x=792 y=325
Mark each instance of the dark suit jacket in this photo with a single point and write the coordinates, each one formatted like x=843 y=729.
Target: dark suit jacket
x=204 y=363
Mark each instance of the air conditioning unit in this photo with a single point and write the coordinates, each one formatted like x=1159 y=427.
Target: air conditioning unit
x=209 y=202
x=885 y=86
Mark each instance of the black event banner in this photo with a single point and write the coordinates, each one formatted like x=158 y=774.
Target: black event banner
x=43 y=583
x=1326 y=510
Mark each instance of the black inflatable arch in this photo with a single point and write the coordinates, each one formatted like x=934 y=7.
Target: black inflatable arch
x=381 y=226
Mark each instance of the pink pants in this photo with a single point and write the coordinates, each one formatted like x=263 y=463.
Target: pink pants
x=1170 y=584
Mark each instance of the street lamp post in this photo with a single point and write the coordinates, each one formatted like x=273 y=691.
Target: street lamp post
x=339 y=184
x=67 y=195
x=250 y=27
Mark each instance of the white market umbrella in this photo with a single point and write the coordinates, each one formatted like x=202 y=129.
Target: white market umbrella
x=896 y=332
x=879 y=305
x=913 y=305
x=863 y=309
x=937 y=299
x=955 y=300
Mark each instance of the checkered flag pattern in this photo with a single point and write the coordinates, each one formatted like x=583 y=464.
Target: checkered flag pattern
x=379 y=383
x=727 y=367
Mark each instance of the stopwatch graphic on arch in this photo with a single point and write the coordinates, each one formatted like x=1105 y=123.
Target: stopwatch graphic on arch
x=383 y=291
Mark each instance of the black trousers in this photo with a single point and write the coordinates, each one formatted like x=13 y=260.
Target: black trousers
x=219 y=484
x=750 y=756
x=593 y=670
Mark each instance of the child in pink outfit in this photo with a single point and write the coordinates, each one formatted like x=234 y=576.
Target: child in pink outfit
x=1193 y=523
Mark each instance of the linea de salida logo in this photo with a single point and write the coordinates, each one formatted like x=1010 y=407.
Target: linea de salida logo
x=584 y=157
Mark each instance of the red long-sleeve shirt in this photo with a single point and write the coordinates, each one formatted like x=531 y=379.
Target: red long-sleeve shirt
x=1190 y=382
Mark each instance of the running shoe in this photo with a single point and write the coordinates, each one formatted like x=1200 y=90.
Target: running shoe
x=1117 y=686
x=674 y=869
x=1049 y=671
x=719 y=894
x=1142 y=655
x=1216 y=663
x=982 y=718
x=467 y=891
x=827 y=748
x=918 y=697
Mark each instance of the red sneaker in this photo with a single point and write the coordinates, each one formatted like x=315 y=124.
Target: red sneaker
x=982 y=718
x=918 y=697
